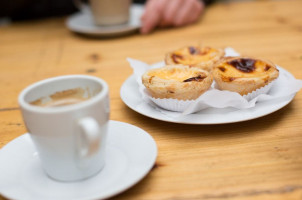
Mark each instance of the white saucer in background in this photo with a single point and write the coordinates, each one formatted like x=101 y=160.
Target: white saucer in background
x=82 y=22
x=131 y=154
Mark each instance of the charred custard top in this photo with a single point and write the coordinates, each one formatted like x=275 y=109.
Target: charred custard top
x=178 y=74
x=244 y=68
x=192 y=55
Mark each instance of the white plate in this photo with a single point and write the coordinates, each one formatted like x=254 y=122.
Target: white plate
x=132 y=98
x=131 y=153
x=82 y=22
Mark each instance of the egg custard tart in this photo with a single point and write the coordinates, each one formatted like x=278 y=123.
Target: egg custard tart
x=195 y=56
x=244 y=75
x=177 y=82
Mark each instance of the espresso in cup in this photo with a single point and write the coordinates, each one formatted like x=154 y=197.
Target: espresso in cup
x=62 y=98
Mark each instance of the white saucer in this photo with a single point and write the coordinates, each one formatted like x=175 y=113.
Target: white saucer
x=131 y=153
x=82 y=22
x=132 y=98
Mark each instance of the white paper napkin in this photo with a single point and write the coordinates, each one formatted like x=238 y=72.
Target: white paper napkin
x=284 y=86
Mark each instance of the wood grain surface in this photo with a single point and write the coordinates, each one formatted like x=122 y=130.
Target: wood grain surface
x=256 y=159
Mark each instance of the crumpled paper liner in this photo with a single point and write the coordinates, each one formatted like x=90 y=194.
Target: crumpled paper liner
x=172 y=104
x=262 y=90
x=284 y=85
x=181 y=105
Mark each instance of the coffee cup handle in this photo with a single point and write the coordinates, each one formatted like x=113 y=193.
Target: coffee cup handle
x=89 y=137
x=80 y=5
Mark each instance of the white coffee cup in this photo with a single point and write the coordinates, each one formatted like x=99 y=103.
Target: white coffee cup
x=70 y=139
x=108 y=12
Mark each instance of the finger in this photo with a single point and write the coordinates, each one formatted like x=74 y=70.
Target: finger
x=170 y=12
x=189 y=12
x=162 y=7
x=149 y=8
x=151 y=16
x=196 y=14
x=150 y=22
x=183 y=16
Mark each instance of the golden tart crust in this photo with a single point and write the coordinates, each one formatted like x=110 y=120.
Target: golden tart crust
x=177 y=82
x=244 y=75
x=195 y=56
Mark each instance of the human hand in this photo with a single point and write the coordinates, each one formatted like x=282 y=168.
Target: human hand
x=165 y=13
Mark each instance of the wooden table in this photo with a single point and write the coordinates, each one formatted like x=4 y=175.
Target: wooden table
x=256 y=159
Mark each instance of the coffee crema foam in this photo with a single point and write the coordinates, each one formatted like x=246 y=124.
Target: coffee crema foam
x=62 y=98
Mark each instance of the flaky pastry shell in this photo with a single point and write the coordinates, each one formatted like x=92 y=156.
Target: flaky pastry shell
x=243 y=74
x=177 y=82
x=195 y=56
